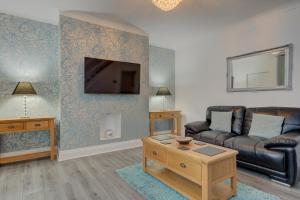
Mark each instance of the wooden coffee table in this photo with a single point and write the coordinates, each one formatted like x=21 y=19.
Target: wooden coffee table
x=194 y=175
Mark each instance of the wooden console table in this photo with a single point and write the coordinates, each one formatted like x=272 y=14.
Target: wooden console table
x=8 y=126
x=175 y=115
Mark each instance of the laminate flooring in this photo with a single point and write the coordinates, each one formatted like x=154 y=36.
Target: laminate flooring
x=94 y=178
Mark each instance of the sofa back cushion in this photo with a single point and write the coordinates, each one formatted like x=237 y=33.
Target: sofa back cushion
x=221 y=121
x=267 y=126
x=291 y=117
x=238 y=113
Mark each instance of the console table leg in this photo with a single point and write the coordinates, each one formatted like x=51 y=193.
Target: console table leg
x=52 y=140
x=178 y=124
x=173 y=128
x=152 y=127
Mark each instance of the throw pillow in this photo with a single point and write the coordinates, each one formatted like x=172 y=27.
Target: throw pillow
x=267 y=126
x=221 y=121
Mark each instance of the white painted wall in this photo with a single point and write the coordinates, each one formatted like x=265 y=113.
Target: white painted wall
x=201 y=68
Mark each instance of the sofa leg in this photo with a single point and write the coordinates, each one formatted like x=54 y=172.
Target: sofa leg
x=281 y=183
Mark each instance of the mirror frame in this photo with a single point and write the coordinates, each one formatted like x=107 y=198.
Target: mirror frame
x=288 y=69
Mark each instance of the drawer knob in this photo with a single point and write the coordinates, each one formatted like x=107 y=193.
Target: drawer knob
x=182 y=165
x=154 y=153
x=11 y=126
x=37 y=125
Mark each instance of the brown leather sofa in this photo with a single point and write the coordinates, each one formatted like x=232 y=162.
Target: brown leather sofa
x=278 y=157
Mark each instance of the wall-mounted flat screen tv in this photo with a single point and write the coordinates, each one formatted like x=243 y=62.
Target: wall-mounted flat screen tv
x=111 y=77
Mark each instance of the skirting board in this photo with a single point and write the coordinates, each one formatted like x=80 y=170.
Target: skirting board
x=162 y=132
x=165 y=132
x=99 y=149
x=18 y=153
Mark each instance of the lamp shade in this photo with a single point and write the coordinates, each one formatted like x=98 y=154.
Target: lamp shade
x=24 y=88
x=163 y=91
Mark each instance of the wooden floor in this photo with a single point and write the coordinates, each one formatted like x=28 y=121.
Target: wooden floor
x=95 y=178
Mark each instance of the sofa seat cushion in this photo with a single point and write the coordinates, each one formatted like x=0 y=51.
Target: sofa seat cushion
x=251 y=149
x=214 y=137
x=246 y=147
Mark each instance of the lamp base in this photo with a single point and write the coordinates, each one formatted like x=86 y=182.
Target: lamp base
x=25 y=108
x=164 y=104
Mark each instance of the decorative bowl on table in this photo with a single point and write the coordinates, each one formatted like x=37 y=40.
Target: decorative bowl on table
x=183 y=140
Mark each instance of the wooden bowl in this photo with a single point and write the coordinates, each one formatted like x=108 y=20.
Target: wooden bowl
x=183 y=140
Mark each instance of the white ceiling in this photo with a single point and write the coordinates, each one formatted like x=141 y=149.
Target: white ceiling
x=190 y=20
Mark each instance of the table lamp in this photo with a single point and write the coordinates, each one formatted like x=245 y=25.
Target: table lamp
x=163 y=91
x=24 y=88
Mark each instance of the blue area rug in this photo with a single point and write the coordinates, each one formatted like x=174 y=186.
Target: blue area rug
x=153 y=189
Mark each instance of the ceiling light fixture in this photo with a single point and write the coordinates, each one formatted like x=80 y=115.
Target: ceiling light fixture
x=166 y=5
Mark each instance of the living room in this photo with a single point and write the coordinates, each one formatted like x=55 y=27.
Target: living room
x=108 y=99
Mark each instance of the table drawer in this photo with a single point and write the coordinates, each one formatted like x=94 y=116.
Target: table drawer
x=18 y=126
x=37 y=125
x=156 y=152
x=185 y=167
x=163 y=115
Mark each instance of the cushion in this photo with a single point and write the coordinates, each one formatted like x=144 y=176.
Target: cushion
x=221 y=121
x=246 y=147
x=214 y=137
x=267 y=126
x=291 y=117
x=238 y=113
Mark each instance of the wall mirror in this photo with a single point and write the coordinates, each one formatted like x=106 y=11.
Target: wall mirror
x=261 y=70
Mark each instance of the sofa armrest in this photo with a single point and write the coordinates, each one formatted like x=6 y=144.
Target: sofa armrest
x=290 y=139
x=292 y=155
x=280 y=142
x=197 y=126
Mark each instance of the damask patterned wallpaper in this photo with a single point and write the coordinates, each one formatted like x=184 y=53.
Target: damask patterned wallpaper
x=81 y=113
x=28 y=52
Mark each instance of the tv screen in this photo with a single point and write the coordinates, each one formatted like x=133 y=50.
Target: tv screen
x=111 y=77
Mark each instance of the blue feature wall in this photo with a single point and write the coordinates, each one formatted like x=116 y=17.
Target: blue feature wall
x=29 y=51
x=81 y=113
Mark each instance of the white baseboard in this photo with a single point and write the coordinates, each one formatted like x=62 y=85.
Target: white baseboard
x=18 y=153
x=165 y=132
x=162 y=132
x=98 y=149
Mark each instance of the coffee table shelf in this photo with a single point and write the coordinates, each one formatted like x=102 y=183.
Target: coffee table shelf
x=186 y=187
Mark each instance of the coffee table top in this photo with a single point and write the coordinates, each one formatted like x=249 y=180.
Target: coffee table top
x=198 y=157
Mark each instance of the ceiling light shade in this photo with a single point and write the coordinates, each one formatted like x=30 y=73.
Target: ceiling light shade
x=166 y=5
